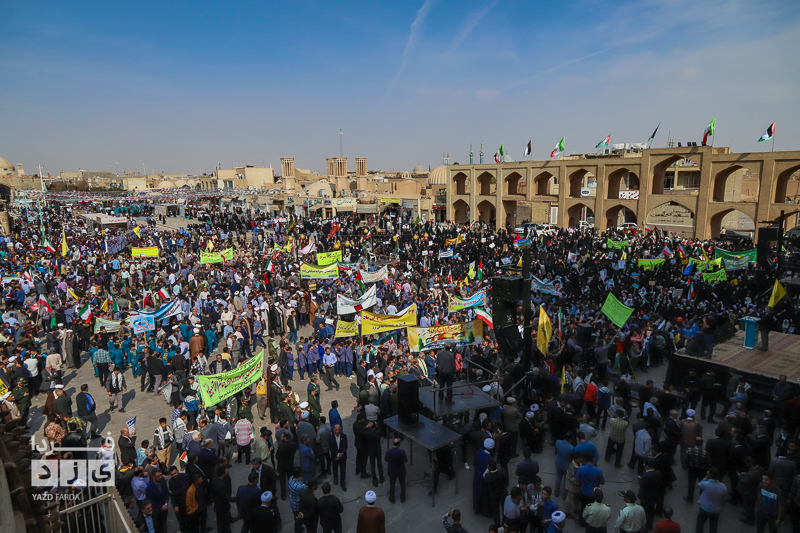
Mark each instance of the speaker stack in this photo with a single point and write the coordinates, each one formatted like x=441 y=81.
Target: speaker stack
x=408 y=399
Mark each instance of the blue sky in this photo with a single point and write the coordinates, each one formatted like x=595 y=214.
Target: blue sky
x=181 y=85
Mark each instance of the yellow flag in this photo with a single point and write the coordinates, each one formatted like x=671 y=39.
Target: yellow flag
x=137 y=231
x=104 y=307
x=72 y=293
x=624 y=255
x=459 y=239
x=64 y=247
x=520 y=262
x=210 y=245
x=778 y=292
x=545 y=331
x=563 y=378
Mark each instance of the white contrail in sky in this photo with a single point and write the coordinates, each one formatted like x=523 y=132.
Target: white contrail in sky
x=416 y=31
x=469 y=24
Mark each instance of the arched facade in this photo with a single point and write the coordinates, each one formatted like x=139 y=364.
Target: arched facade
x=694 y=178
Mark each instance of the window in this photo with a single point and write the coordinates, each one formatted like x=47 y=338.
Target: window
x=691 y=180
x=669 y=181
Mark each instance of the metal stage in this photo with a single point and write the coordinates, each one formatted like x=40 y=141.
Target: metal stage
x=466 y=397
x=429 y=435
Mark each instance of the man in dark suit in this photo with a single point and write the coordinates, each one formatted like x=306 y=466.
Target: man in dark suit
x=337 y=444
x=248 y=498
x=649 y=492
x=361 y=374
x=496 y=483
x=267 y=482
x=127 y=446
x=221 y=498
x=396 y=465
x=263 y=517
x=285 y=456
x=329 y=510
x=718 y=451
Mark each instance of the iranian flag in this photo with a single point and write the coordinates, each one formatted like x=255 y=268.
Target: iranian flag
x=604 y=142
x=48 y=246
x=368 y=235
x=709 y=130
x=44 y=303
x=86 y=313
x=484 y=315
x=769 y=134
x=558 y=149
x=163 y=293
x=148 y=299
x=28 y=276
x=270 y=268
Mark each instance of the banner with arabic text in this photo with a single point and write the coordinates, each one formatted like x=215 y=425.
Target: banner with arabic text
x=455 y=304
x=346 y=329
x=216 y=257
x=374 y=277
x=112 y=326
x=218 y=387
x=617 y=245
x=309 y=271
x=328 y=258
x=647 y=264
x=714 y=277
x=374 y=323
x=461 y=334
x=145 y=252
x=345 y=305
x=725 y=254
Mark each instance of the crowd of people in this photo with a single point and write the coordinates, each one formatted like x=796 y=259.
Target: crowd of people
x=71 y=304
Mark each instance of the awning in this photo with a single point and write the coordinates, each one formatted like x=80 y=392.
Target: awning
x=367 y=208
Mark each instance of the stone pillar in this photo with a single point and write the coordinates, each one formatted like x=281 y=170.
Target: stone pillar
x=705 y=192
x=767 y=177
x=499 y=211
x=473 y=195
x=563 y=192
x=601 y=180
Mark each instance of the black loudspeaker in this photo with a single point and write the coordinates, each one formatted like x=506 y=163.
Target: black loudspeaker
x=408 y=399
x=764 y=255
x=506 y=292
x=509 y=339
x=585 y=332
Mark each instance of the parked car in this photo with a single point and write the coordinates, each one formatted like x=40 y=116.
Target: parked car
x=547 y=229
x=524 y=228
x=626 y=226
x=585 y=224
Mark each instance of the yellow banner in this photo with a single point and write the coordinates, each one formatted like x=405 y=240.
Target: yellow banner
x=461 y=334
x=346 y=329
x=373 y=323
x=145 y=252
x=450 y=242
x=390 y=201
x=328 y=258
x=309 y=271
x=216 y=257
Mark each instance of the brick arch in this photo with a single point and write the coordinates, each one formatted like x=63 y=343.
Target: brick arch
x=657 y=178
x=614 y=180
x=460 y=211
x=575 y=212
x=720 y=180
x=485 y=185
x=542 y=184
x=781 y=184
x=612 y=213
x=486 y=211
x=460 y=183
x=576 y=182
x=715 y=220
x=511 y=183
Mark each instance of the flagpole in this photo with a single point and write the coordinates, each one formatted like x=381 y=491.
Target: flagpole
x=773 y=142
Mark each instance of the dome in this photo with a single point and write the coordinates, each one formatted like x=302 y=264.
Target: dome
x=419 y=169
x=5 y=166
x=438 y=176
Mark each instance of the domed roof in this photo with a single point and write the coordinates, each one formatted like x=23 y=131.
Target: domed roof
x=419 y=169
x=5 y=165
x=438 y=176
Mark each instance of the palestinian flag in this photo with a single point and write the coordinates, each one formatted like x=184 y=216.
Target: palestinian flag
x=163 y=293
x=769 y=134
x=558 y=149
x=48 y=246
x=85 y=313
x=484 y=315
x=709 y=130
x=480 y=270
x=44 y=303
x=270 y=268
x=368 y=235
x=604 y=142
x=528 y=149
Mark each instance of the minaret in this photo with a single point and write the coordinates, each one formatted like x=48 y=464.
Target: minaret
x=470 y=154
x=481 y=152
x=447 y=160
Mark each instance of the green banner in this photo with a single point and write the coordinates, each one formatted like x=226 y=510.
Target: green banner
x=112 y=326
x=724 y=254
x=715 y=276
x=702 y=265
x=617 y=245
x=736 y=264
x=616 y=311
x=328 y=258
x=216 y=257
x=218 y=387
x=647 y=264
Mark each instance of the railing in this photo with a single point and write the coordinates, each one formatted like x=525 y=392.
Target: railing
x=103 y=512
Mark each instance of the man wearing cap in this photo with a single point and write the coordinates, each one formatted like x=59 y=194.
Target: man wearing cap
x=631 y=518
x=371 y=519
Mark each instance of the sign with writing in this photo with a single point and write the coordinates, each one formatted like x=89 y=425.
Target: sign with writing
x=616 y=311
x=391 y=201
x=112 y=326
x=145 y=252
x=346 y=329
x=374 y=323
x=143 y=323
x=461 y=334
x=628 y=195
x=131 y=425
x=345 y=306
x=374 y=277
x=218 y=387
x=647 y=264
x=713 y=277
x=445 y=254
x=724 y=254
x=309 y=271
x=328 y=258
x=216 y=257
x=455 y=304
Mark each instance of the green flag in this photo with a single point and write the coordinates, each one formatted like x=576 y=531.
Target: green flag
x=218 y=387
x=616 y=311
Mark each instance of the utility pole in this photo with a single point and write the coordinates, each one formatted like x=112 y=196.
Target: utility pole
x=340 y=142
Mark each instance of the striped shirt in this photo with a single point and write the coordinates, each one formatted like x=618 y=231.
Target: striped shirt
x=452 y=528
x=101 y=356
x=244 y=432
x=618 y=428
x=697 y=457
